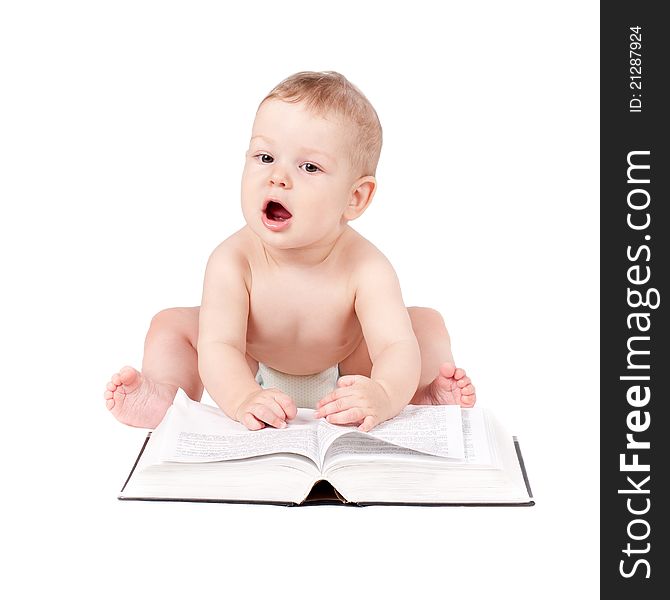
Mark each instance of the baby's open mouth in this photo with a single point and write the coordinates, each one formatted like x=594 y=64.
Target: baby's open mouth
x=276 y=212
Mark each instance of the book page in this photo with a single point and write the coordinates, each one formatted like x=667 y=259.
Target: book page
x=354 y=446
x=196 y=432
x=475 y=437
x=433 y=430
x=199 y=433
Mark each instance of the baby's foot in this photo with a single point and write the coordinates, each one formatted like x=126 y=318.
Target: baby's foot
x=451 y=386
x=135 y=400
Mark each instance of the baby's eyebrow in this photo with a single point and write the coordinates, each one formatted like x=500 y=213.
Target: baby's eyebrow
x=303 y=149
x=320 y=152
x=267 y=139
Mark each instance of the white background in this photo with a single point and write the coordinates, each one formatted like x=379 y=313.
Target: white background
x=122 y=132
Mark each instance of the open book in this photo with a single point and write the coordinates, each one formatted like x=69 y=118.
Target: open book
x=425 y=455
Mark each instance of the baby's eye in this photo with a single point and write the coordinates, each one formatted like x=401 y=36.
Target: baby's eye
x=265 y=158
x=310 y=168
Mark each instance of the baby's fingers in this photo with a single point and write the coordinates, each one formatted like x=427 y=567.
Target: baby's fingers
x=335 y=406
x=272 y=398
x=326 y=399
x=368 y=423
x=286 y=403
x=251 y=422
x=344 y=417
x=268 y=414
x=347 y=380
x=336 y=394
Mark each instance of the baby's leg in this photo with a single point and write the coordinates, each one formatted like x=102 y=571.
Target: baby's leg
x=440 y=382
x=170 y=362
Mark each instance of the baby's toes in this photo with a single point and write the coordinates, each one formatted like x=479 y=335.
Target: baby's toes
x=111 y=387
x=116 y=379
x=447 y=369
x=109 y=400
x=469 y=400
x=468 y=390
x=461 y=383
x=459 y=374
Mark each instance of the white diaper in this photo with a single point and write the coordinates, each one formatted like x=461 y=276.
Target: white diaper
x=306 y=390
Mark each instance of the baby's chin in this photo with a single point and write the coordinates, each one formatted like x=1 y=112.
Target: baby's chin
x=290 y=238
x=281 y=240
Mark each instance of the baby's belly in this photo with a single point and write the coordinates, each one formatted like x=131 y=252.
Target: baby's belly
x=301 y=354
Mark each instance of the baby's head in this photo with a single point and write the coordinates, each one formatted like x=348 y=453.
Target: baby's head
x=329 y=95
x=311 y=164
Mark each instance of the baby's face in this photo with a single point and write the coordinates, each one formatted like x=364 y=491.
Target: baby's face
x=297 y=177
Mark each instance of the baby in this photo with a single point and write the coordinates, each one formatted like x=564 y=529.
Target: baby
x=298 y=292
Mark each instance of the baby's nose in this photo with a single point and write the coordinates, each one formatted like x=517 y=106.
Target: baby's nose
x=279 y=177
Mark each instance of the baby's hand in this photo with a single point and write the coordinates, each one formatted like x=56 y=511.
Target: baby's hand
x=357 y=399
x=270 y=406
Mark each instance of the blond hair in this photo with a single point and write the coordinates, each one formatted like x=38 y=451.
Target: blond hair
x=328 y=92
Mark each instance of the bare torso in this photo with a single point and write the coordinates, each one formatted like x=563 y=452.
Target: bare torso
x=301 y=318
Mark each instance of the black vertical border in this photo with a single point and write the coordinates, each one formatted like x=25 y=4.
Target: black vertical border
x=623 y=131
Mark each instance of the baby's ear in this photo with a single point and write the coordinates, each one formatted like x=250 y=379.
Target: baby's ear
x=360 y=197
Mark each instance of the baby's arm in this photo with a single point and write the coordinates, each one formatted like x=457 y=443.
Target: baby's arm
x=222 y=344
x=393 y=349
